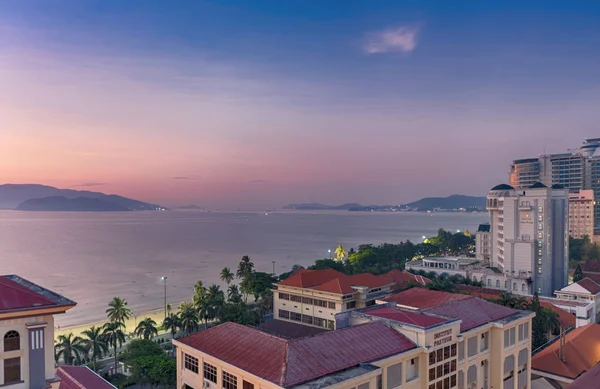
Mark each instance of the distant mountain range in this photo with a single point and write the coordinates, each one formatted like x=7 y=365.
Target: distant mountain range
x=450 y=203
x=34 y=197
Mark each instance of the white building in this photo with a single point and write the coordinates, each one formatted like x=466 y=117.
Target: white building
x=581 y=214
x=585 y=291
x=483 y=247
x=529 y=236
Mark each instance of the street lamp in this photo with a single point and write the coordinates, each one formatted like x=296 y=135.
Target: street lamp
x=329 y=251
x=164 y=278
x=273 y=267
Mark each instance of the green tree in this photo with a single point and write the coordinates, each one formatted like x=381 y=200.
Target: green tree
x=188 y=317
x=240 y=313
x=71 y=349
x=117 y=310
x=204 y=311
x=216 y=300
x=164 y=372
x=114 y=335
x=146 y=329
x=172 y=324
x=139 y=348
x=233 y=294
x=199 y=293
x=245 y=268
x=340 y=253
x=506 y=299
x=538 y=329
x=261 y=283
x=227 y=275
x=442 y=284
x=95 y=343
x=326 y=263
x=578 y=274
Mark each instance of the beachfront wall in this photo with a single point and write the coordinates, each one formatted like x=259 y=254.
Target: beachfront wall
x=27 y=346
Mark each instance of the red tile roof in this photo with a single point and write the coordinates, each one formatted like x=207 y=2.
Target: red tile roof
x=473 y=312
x=591 y=265
x=329 y=280
x=581 y=350
x=592 y=276
x=291 y=362
x=567 y=320
x=587 y=380
x=17 y=293
x=403 y=278
x=288 y=329
x=589 y=285
x=80 y=377
x=407 y=317
x=419 y=298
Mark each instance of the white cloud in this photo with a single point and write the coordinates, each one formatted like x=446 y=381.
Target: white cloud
x=394 y=39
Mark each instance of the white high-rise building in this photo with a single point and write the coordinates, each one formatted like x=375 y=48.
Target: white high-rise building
x=581 y=214
x=529 y=236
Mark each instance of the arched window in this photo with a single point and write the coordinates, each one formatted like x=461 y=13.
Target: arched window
x=497 y=283
x=524 y=288
x=489 y=282
x=514 y=286
x=474 y=279
x=505 y=284
x=12 y=341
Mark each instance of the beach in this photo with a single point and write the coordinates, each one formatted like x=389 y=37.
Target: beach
x=157 y=315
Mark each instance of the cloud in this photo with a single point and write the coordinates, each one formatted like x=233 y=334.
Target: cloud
x=89 y=184
x=402 y=39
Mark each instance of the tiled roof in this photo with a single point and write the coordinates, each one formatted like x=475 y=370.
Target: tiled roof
x=589 y=285
x=592 y=266
x=329 y=280
x=291 y=362
x=407 y=317
x=402 y=278
x=80 y=377
x=17 y=293
x=473 y=312
x=592 y=276
x=288 y=329
x=581 y=351
x=587 y=380
x=420 y=298
x=567 y=320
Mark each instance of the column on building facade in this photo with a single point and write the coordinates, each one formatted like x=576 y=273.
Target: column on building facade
x=37 y=358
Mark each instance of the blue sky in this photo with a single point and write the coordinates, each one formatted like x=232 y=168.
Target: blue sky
x=288 y=101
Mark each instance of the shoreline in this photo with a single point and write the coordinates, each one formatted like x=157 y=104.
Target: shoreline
x=156 y=314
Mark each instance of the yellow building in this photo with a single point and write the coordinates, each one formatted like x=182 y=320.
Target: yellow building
x=443 y=341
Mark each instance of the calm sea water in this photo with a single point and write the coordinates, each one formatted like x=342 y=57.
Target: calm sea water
x=91 y=257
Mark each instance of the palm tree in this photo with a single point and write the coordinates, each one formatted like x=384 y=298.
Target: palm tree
x=114 y=336
x=506 y=299
x=216 y=299
x=117 y=310
x=340 y=253
x=70 y=348
x=188 y=317
x=204 y=311
x=245 y=267
x=233 y=294
x=95 y=343
x=551 y=322
x=199 y=293
x=172 y=324
x=227 y=276
x=146 y=328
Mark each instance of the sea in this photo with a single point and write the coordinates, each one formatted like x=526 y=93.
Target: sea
x=92 y=257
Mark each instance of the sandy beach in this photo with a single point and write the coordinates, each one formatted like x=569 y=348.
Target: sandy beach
x=156 y=315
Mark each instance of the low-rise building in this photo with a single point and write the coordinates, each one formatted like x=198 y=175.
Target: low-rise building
x=27 y=330
x=80 y=377
x=584 y=291
x=313 y=297
x=447 y=341
x=563 y=361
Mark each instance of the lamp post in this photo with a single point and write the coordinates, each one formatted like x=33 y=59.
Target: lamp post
x=329 y=251
x=273 y=267
x=164 y=278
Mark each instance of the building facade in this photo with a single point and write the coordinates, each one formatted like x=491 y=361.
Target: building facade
x=314 y=297
x=27 y=329
x=529 y=236
x=576 y=170
x=581 y=214
x=483 y=246
x=386 y=346
x=581 y=295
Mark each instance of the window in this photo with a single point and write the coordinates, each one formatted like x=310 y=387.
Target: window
x=497 y=283
x=307 y=300
x=412 y=369
x=453 y=366
x=461 y=350
x=295 y=316
x=12 y=370
x=453 y=381
x=509 y=337
x=364 y=386
x=523 y=354
x=307 y=319
x=351 y=305
x=514 y=286
x=539 y=270
x=524 y=288
x=296 y=299
x=229 y=381
x=210 y=373
x=331 y=305
x=284 y=296
x=190 y=363
x=12 y=341
x=247 y=385
x=484 y=341
x=505 y=284
x=284 y=314
x=330 y=324
x=489 y=282
x=432 y=374
x=370 y=303
x=509 y=367
x=453 y=350
x=446 y=352
x=320 y=303
x=471 y=375
x=394 y=376
x=461 y=379
x=472 y=346
x=432 y=358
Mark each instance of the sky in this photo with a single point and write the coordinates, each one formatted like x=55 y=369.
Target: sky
x=264 y=103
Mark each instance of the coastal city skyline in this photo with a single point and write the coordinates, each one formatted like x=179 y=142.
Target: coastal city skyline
x=227 y=104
